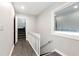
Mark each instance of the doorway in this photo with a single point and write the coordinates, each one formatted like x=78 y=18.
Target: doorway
x=19 y=28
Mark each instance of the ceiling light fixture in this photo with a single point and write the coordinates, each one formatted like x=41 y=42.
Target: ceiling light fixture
x=75 y=6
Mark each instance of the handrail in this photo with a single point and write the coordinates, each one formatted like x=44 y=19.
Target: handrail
x=35 y=34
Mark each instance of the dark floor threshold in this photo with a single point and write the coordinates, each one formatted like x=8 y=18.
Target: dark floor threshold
x=51 y=54
x=44 y=54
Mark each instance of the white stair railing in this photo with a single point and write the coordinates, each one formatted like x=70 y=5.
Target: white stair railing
x=34 y=40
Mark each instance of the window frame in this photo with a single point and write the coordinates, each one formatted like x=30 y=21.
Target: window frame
x=58 y=9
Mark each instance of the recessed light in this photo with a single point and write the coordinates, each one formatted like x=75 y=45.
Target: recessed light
x=75 y=6
x=22 y=7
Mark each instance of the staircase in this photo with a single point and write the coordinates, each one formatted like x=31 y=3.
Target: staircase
x=21 y=33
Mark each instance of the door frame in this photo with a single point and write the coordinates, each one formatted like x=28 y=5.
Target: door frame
x=15 y=30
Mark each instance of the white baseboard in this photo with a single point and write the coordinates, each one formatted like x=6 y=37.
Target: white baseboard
x=11 y=50
x=61 y=53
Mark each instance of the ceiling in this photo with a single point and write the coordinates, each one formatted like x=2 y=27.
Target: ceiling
x=31 y=8
x=69 y=10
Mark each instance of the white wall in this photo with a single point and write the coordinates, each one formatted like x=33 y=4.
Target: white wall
x=44 y=28
x=67 y=45
x=6 y=28
x=30 y=23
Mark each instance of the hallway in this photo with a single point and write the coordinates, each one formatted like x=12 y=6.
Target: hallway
x=39 y=29
x=23 y=48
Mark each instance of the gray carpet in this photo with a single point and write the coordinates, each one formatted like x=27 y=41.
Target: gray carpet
x=23 y=48
x=53 y=54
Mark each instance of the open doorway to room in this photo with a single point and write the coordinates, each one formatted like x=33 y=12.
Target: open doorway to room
x=21 y=27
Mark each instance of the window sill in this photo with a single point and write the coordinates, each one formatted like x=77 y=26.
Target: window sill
x=71 y=35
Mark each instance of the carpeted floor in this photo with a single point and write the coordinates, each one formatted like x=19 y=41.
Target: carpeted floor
x=51 y=54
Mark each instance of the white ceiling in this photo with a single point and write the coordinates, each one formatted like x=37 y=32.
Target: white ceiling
x=31 y=8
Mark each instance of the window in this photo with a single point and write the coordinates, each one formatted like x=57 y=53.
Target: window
x=67 y=19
